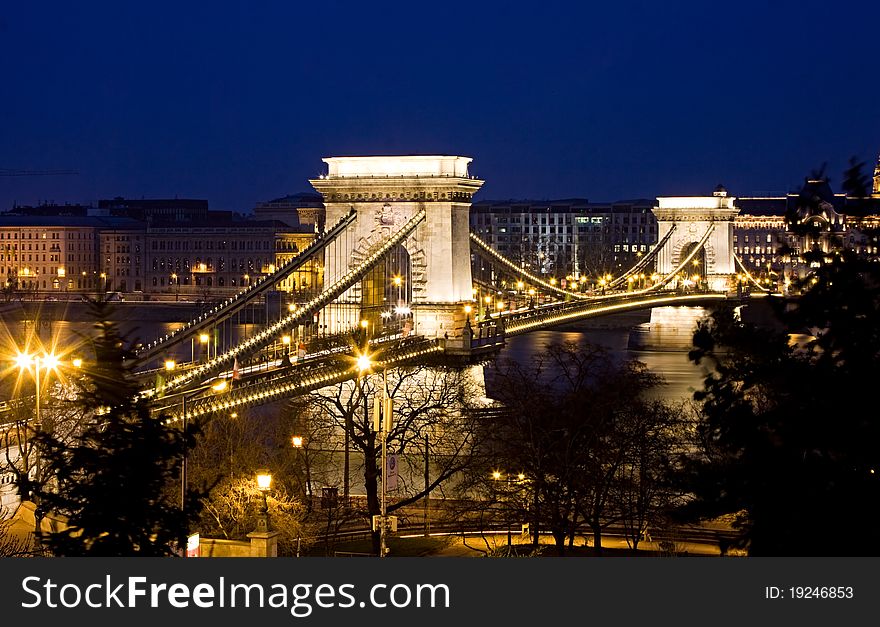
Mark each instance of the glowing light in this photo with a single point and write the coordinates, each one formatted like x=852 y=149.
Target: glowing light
x=264 y=480
x=170 y=364
x=23 y=361
x=203 y=338
x=364 y=324
x=77 y=362
x=496 y=475
x=297 y=441
x=364 y=363
x=285 y=339
x=488 y=299
x=397 y=281
x=220 y=385
x=468 y=309
x=50 y=362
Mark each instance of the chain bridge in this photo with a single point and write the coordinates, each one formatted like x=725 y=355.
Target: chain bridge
x=399 y=277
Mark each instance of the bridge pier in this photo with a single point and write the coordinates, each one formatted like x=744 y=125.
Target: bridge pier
x=430 y=274
x=692 y=217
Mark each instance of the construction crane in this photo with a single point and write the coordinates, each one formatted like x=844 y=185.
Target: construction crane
x=10 y=172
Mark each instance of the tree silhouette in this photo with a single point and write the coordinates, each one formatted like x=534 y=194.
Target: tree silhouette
x=115 y=480
x=788 y=432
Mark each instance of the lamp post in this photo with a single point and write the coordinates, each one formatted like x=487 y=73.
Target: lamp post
x=50 y=362
x=264 y=484
x=176 y=281
x=382 y=421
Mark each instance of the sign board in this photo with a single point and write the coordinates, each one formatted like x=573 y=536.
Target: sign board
x=391 y=464
x=192 y=546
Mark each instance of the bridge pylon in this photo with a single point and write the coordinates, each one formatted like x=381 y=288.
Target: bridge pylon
x=429 y=276
x=694 y=217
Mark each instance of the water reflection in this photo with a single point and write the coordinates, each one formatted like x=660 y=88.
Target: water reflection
x=680 y=375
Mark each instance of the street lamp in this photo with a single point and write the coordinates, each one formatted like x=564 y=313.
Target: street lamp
x=177 y=284
x=264 y=484
x=383 y=409
x=48 y=361
x=203 y=340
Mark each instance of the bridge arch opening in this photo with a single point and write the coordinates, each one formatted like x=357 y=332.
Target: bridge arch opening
x=697 y=265
x=386 y=291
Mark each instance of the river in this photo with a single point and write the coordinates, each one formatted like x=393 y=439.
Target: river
x=667 y=356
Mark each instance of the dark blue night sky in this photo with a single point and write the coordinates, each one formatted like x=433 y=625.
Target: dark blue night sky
x=238 y=102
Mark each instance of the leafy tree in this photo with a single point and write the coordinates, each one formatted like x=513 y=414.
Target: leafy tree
x=856 y=182
x=788 y=440
x=115 y=480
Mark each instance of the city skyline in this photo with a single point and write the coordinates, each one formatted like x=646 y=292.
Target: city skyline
x=628 y=101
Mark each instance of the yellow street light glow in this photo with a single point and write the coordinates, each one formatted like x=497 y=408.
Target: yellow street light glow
x=496 y=475
x=23 y=361
x=467 y=309
x=291 y=307
x=264 y=480
x=220 y=385
x=50 y=362
x=170 y=364
x=520 y=285
x=531 y=292
x=62 y=272
x=552 y=280
x=285 y=339
x=364 y=363
x=500 y=305
x=520 y=476
x=203 y=338
x=77 y=362
x=234 y=414
x=297 y=441
x=397 y=281
x=488 y=299
x=364 y=324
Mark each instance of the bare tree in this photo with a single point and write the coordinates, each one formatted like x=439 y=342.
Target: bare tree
x=429 y=405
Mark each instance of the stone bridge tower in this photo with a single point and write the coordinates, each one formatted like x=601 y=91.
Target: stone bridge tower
x=433 y=276
x=692 y=216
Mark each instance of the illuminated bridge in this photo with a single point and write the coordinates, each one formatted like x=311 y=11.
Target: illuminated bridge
x=401 y=278
x=398 y=275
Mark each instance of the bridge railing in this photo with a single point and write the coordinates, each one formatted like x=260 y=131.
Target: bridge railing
x=299 y=314
x=234 y=303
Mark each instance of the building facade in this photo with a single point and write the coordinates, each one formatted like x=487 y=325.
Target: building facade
x=571 y=237
x=73 y=254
